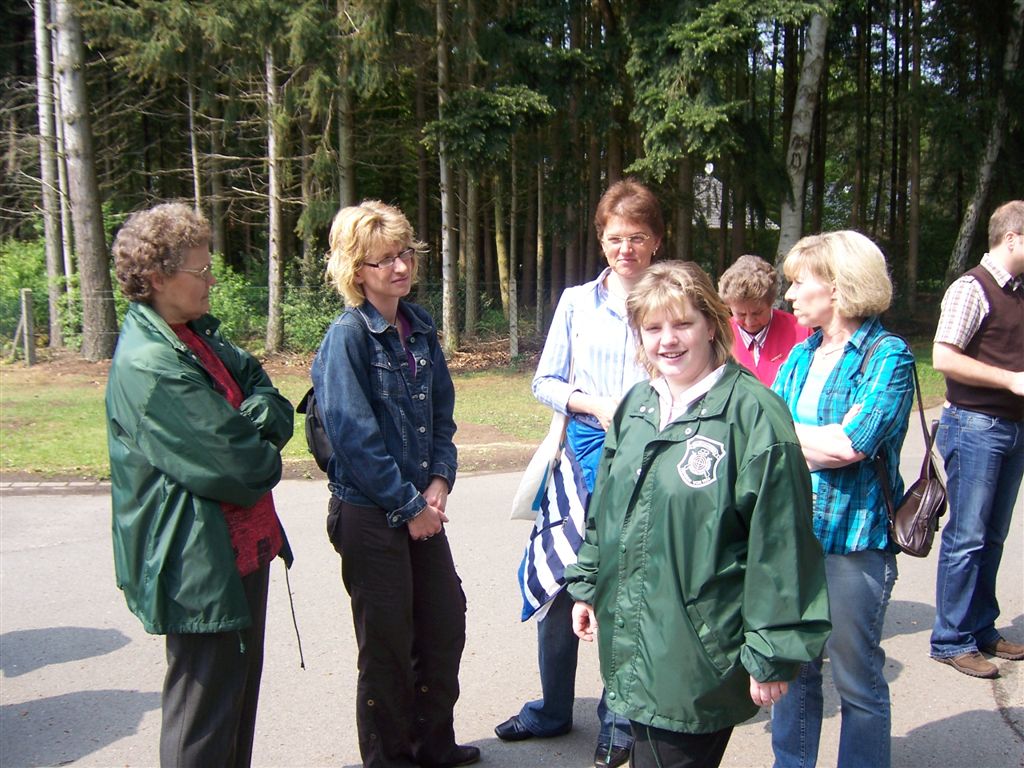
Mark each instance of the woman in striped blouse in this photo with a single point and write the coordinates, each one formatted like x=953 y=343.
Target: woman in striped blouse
x=589 y=362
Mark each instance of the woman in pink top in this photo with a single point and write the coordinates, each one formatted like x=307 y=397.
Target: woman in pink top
x=762 y=336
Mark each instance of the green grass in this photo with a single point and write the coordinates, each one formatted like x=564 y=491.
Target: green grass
x=52 y=423
x=502 y=400
x=55 y=427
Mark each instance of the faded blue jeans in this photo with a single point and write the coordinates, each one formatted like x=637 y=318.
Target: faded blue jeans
x=859 y=587
x=557 y=648
x=984 y=458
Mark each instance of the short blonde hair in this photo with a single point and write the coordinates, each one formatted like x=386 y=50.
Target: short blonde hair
x=851 y=263
x=358 y=232
x=1008 y=217
x=750 y=278
x=155 y=240
x=664 y=287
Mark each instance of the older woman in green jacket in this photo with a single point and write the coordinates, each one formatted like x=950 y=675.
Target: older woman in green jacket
x=195 y=430
x=700 y=564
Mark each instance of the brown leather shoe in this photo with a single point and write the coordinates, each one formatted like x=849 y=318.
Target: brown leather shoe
x=1004 y=649
x=971 y=663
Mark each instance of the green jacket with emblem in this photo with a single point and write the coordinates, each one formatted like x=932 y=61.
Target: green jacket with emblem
x=177 y=450
x=700 y=559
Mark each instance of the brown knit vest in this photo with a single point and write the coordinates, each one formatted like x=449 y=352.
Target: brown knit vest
x=999 y=341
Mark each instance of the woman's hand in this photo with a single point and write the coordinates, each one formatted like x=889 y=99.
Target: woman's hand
x=436 y=494
x=584 y=622
x=428 y=522
x=766 y=694
x=601 y=408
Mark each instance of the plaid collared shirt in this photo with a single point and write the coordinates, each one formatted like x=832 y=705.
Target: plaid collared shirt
x=965 y=306
x=849 y=506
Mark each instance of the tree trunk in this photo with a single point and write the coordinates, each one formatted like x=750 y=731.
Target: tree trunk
x=513 y=266
x=99 y=325
x=275 y=255
x=309 y=260
x=460 y=230
x=593 y=247
x=861 y=120
x=346 y=127
x=820 y=152
x=723 y=224
x=529 y=260
x=422 y=200
x=500 y=243
x=791 y=224
x=193 y=142
x=684 y=215
x=541 y=255
x=472 y=257
x=993 y=146
x=218 y=224
x=449 y=278
x=914 y=223
x=738 y=245
x=66 y=235
x=48 y=173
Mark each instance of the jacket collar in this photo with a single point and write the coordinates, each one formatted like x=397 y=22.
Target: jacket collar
x=376 y=324
x=712 y=406
x=146 y=316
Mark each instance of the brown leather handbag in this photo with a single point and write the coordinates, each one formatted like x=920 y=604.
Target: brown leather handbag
x=915 y=519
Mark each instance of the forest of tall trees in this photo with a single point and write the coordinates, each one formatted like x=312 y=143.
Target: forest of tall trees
x=495 y=125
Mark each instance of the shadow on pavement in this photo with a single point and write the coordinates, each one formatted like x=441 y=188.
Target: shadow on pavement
x=26 y=650
x=957 y=740
x=63 y=729
x=907 y=617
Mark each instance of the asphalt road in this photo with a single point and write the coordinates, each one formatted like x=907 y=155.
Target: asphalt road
x=81 y=679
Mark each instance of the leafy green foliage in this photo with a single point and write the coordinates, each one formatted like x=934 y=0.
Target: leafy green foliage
x=307 y=315
x=479 y=124
x=240 y=306
x=22 y=265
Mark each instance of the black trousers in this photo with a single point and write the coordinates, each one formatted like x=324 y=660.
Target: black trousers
x=212 y=688
x=409 y=613
x=657 y=748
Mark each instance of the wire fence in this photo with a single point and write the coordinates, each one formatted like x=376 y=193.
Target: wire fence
x=243 y=310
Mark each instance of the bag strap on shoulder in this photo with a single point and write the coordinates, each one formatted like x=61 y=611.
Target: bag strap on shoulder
x=929 y=437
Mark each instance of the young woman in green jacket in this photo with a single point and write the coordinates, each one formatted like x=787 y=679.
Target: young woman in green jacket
x=700 y=565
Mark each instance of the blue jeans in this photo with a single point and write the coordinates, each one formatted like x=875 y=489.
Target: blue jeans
x=984 y=458
x=859 y=587
x=557 y=647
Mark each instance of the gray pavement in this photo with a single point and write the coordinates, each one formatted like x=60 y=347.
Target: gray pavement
x=80 y=678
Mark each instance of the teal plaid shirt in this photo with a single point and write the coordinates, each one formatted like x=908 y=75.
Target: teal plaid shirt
x=849 y=506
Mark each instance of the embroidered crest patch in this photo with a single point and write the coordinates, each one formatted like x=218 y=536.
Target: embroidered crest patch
x=699 y=466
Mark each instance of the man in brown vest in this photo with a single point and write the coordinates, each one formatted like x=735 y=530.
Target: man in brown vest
x=979 y=348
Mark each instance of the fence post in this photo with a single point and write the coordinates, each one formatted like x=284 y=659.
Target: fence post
x=28 y=327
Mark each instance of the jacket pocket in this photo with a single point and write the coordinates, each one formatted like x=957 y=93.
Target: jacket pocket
x=710 y=638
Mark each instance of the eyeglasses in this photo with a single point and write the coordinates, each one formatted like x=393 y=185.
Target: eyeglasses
x=634 y=240
x=203 y=274
x=406 y=255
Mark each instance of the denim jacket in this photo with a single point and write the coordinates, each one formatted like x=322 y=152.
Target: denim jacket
x=391 y=430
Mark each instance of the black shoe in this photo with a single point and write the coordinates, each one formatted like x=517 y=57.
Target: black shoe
x=513 y=730
x=611 y=757
x=460 y=755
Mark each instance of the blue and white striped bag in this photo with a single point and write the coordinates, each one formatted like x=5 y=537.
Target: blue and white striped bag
x=557 y=534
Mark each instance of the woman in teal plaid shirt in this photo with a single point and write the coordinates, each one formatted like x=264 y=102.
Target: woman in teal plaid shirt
x=845 y=416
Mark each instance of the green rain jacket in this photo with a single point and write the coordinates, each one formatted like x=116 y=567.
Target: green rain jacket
x=700 y=559
x=177 y=450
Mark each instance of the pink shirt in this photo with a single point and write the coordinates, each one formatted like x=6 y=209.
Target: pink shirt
x=784 y=333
